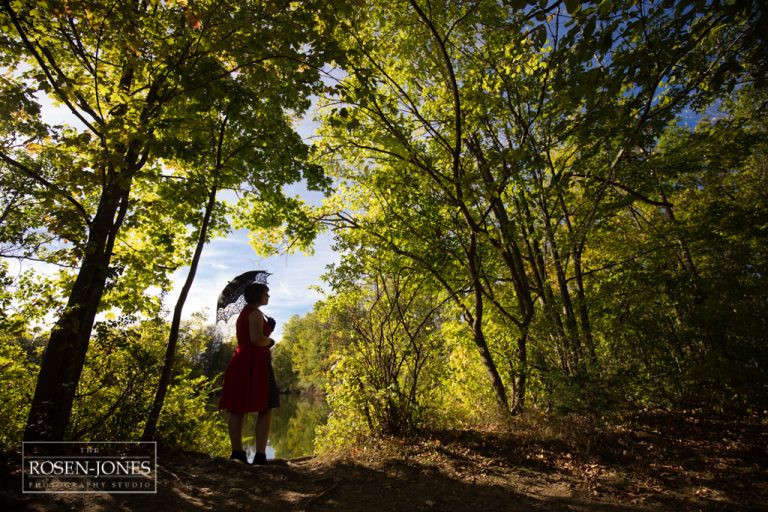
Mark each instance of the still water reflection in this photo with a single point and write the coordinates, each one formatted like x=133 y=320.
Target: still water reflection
x=293 y=427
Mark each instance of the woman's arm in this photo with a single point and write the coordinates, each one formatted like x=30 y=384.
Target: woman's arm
x=256 y=330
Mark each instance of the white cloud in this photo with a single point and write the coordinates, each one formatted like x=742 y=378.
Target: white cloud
x=290 y=284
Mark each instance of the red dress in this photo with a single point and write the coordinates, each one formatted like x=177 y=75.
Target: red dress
x=249 y=375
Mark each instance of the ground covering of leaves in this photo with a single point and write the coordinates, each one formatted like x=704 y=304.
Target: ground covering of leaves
x=650 y=461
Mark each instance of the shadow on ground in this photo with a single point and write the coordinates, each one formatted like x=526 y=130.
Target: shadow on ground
x=654 y=462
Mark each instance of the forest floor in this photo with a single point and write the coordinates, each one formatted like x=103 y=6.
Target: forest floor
x=652 y=461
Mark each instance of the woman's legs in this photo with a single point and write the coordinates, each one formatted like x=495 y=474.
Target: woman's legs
x=236 y=431
x=263 y=422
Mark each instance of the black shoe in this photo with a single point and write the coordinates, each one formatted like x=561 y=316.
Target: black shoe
x=239 y=455
x=259 y=459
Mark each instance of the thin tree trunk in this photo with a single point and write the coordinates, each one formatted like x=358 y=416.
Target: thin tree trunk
x=170 y=352
x=572 y=337
x=688 y=263
x=581 y=305
x=521 y=375
x=546 y=294
x=513 y=259
x=477 y=328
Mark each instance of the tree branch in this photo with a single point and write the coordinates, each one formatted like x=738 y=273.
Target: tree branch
x=52 y=186
x=633 y=193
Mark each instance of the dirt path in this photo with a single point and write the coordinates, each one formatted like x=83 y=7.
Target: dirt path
x=195 y=482
x=646 y=467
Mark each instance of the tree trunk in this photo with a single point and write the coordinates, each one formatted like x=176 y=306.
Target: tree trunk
x=685 y=257
x=173 y=337
x=581 y=304
x=64 y=355
x=477 y=328
x=513 y=259
x=521 y=375
x=572 y=342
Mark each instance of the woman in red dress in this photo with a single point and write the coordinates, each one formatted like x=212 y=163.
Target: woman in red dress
x=249 y=381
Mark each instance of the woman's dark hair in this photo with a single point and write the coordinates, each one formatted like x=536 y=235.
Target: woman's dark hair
x=254 y=292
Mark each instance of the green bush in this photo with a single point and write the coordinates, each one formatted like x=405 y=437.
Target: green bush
x=189 y=421
x=18 y=375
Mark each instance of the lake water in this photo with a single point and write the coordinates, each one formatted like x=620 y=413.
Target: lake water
x=293 y=427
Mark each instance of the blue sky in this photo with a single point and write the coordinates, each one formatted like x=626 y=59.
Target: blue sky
x=293 y=275
x=290 y=284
